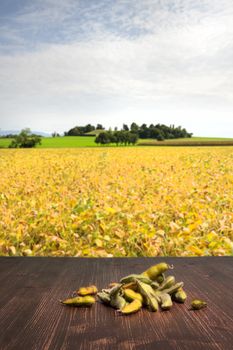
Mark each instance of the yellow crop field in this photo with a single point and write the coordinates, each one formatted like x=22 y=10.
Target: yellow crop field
x=117 y=201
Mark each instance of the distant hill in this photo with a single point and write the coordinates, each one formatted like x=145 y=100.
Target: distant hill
x=16 y=132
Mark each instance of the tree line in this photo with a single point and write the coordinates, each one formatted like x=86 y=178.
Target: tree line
x=159 y=131
x=121 y=137
x=128 y=134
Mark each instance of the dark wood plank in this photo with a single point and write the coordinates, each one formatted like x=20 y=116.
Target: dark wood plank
x=32 y=318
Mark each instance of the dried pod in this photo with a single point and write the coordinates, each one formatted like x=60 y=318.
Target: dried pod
x=131 y=285
x=79 y=301
x=131 y=295
x=173 y=289
x=117 y=301
x=149 y=297
x=155 y=285
x=198 y=304
x=166 y=301
x=160 y=278
x=131 y=308
x=90 y=290
x=167 y=283
x=180 y=296
x=115 y=290
x=134 y=277
x=110 y=290
x=154 y=271
x=104 y=297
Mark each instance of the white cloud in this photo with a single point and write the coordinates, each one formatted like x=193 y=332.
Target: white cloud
x=169 y=58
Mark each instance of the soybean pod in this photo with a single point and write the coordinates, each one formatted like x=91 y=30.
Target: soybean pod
x=198 y=304
x=160 y=278
x=131 y=308
x=134 y=277
x=79 y=301
x=180 y=296
x=173 y=289
x=167 y=283
x=154 y=271
x=149 y=297
x=90 y=290
x=117 y=302
x=131 y=285
x=131 y=295
x=104 y=297
x=166 y=301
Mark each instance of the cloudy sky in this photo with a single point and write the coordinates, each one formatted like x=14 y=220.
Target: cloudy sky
x=70 y=62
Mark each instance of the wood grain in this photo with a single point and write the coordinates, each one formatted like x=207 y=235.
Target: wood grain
x=32 y=318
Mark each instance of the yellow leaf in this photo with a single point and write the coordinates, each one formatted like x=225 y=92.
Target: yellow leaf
x=107 y=238
x=211 y=236
x=98 y=242
x=174 y=226
x=196 y=250
x=27 y=252
x=110 y=210
x=102 y=228
x=12 y=250
x=120 y=234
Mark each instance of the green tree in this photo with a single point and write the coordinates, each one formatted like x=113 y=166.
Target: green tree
x=25 y=139
x=88 y=128
x=103 y=138
x=133 y=138
x=134 y=128
x=80 y=130
x=160 y=137
x=99 y=127
x=125 y=127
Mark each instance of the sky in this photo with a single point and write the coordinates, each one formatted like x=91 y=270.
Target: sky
x=71 y=62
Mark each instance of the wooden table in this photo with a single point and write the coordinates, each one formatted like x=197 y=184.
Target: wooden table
x=32 y=318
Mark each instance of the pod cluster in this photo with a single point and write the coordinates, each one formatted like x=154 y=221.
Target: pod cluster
x=150 y=289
